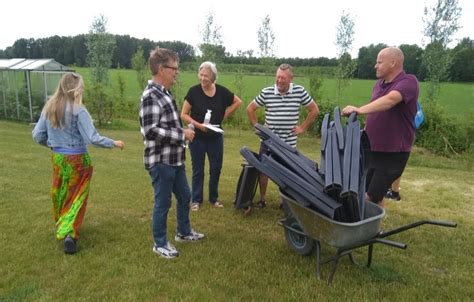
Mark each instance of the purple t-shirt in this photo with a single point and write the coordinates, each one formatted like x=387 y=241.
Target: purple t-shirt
x=393 y=130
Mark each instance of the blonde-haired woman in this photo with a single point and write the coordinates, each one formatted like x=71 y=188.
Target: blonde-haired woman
x=66 y=127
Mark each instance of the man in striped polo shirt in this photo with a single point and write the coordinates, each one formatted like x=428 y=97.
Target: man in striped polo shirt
x=282 y=103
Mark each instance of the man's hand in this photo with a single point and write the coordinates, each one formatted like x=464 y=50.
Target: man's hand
x=297 y=130
x=349 y=109
x=189 y=134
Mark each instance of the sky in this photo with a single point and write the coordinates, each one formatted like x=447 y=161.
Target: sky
x=302 y=28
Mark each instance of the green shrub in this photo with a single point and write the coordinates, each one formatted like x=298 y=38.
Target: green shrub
x=443 y=134
x=325 y=106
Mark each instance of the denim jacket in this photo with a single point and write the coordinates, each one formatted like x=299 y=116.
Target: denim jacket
x=78 y=131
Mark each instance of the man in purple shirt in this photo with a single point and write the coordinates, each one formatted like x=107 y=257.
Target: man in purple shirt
x=389 y=125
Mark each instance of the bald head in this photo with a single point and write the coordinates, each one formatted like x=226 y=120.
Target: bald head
x=389 y=63
x=393 y=53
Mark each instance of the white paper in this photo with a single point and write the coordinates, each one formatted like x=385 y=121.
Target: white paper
x=214 y=128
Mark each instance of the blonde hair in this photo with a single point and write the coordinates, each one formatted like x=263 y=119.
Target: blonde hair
x=69 y=91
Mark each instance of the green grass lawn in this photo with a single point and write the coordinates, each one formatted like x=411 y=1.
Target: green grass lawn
x=242 y=257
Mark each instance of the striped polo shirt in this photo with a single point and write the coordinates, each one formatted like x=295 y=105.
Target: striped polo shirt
x=282 y=111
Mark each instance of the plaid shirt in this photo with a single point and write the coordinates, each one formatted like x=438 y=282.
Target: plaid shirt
x=161 y=127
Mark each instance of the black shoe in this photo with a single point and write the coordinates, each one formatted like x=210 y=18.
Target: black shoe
x=261 y=204
x=69 y=245
x=393 y=195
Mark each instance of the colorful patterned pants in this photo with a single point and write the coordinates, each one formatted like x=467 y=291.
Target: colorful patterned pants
x=70 y=191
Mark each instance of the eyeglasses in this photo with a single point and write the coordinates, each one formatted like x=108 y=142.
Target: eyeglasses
x=170 y=67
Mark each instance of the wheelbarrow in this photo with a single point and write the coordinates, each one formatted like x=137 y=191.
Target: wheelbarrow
x=305 y=229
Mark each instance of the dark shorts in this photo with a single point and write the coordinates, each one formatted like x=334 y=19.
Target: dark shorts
x=384 y=168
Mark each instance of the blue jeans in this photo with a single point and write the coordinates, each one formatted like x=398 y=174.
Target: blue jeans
x=168 y=179
x=214 y=148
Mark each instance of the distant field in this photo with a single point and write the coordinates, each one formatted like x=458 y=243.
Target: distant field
x=455 y=97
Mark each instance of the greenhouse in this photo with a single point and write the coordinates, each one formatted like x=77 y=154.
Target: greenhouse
x=25 y=86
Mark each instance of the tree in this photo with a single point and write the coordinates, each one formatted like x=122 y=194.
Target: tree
x=211 y=52
x=441 y=22
x=19 y=48
x=413 y=58
x=211 y=34
x=80 y=50
x=185 y=51
x=346 y=66
x=121 y=109
x=123 y=52
x=140 y=65
x=364 y=63
x=53 y=47
x=8 y=52
x=100 y=46
x=35 y=50
x=266 y=38
x=462 y=68
x=68 y=51
x=211 y=47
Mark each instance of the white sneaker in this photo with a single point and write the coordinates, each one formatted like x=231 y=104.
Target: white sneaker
x=168 y=251
x=217 y=205
x=192 y=236
x=195 y=206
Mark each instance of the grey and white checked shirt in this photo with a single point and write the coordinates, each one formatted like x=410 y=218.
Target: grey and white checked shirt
x=161 y=127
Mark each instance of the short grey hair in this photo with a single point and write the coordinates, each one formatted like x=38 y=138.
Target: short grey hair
x=286 y=66
x=210 y=66
x=161 y=56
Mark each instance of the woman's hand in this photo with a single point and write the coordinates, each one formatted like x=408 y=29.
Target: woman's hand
x=119 y=144
x=201 y=127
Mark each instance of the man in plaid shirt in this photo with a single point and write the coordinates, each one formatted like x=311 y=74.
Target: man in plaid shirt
x=165 y=140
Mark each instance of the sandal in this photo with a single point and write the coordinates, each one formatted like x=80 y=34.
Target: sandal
x=261 y=204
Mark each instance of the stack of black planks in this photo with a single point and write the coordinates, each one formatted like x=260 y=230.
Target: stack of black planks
x=336 y=187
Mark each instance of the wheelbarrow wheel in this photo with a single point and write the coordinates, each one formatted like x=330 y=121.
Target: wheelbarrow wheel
x=301 y=244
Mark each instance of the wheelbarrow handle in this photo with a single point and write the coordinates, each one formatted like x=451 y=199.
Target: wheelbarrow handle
x=443 y=223
x=416 y=224
x=399 y=245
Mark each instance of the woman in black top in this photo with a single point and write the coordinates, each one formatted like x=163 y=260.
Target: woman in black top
x=222 y=103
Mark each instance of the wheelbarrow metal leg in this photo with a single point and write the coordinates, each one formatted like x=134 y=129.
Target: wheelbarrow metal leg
x=369 y=255
x=339 y=254
x=318 y=259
